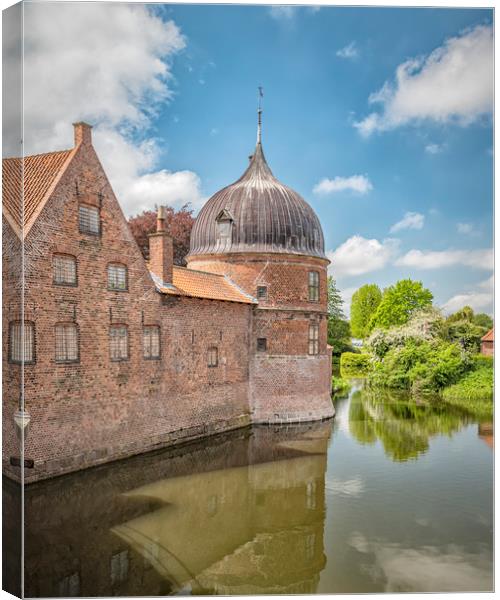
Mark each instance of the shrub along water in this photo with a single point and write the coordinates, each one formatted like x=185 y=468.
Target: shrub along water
x=428 y=355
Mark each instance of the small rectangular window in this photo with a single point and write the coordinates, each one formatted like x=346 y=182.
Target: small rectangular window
x=213 y=356
x=261 y=292
x=117 y=277
x=118 y=342
x=313 y=286
x=88 y=219
x=151 y=341
x=66 y=342
x=22 y=342
x=313 y=338
x=64 y=269
x=261 y=344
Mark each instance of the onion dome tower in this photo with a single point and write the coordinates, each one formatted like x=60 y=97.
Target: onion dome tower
x=269 y=241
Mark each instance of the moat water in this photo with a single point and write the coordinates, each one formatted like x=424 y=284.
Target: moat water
x=390 y=496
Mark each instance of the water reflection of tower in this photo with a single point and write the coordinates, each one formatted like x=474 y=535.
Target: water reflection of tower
x=256 y=528
x=238 y=513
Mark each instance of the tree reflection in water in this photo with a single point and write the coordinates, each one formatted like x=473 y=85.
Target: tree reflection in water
x=403 y=425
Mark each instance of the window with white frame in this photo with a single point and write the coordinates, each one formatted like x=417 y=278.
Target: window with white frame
x=314 y=338
x=66 y=342
x=117 y=277
x=64 y=269
x=88 y=219
x=118 y=342
x=151 y=341
x=22 y=342
x=313 y=286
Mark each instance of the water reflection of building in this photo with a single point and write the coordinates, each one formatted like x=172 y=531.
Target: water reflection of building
x=240 y=513
x=486 y=433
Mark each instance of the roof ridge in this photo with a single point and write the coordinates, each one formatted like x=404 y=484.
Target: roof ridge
x=198 y=271
x=39 y=154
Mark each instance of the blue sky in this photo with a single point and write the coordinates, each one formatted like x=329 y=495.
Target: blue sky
x=398 y=168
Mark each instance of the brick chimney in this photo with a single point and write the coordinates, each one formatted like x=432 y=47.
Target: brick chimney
x=161 y=249
x=83 y=133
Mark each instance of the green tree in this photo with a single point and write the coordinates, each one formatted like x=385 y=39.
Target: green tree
x=339 y=330
x=483 y=320
x=464 y=328
x=364 y=303
x=335 y=302
x=399 y=302
x=339 y=336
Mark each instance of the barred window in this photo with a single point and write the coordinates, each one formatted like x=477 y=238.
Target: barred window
x=66 y=342
x=88 y=219
x=22 y=343
x=313 y=286
x=117 y=277
x=118 y=342
x=151 y=341
x=261 y=344
x=261 y=292
x=213 y=356
x=313 y=338
x=64 y=269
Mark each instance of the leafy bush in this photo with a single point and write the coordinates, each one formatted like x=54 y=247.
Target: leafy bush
x=420 y=365
x=474 y=391
x=425 y=325
x=340 y=386
x=352 y=364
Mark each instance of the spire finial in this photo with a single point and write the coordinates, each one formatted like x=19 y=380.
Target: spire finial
x=259 y=113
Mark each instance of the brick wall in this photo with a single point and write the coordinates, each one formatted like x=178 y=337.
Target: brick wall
x=286 y=382
x=97 y=410
x=487 y=348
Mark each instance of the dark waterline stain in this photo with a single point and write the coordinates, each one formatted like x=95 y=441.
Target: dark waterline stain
x=390 y=496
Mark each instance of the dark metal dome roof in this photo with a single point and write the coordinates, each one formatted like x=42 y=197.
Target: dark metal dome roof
x=257 y=213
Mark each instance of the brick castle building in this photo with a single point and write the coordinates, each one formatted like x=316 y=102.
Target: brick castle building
x=116 y=356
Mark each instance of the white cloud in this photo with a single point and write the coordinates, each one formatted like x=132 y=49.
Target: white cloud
x=411 y=220
x=109 y=65
x=452 y=84
x=479 y=299
x=466 y=228
x=436 y=259
x=353 y=488
x=356 y=183
x=434 y=148
x=281 y=13
x=358 y=255
x=350 y=51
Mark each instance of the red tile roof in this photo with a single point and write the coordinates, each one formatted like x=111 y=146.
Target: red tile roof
x=199 y=284
x=490 y=336
x=35 y=177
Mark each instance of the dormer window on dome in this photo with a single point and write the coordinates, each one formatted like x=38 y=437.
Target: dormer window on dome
x=224 y=223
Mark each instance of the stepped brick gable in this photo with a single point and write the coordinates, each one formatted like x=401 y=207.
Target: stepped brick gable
x=123 y=356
